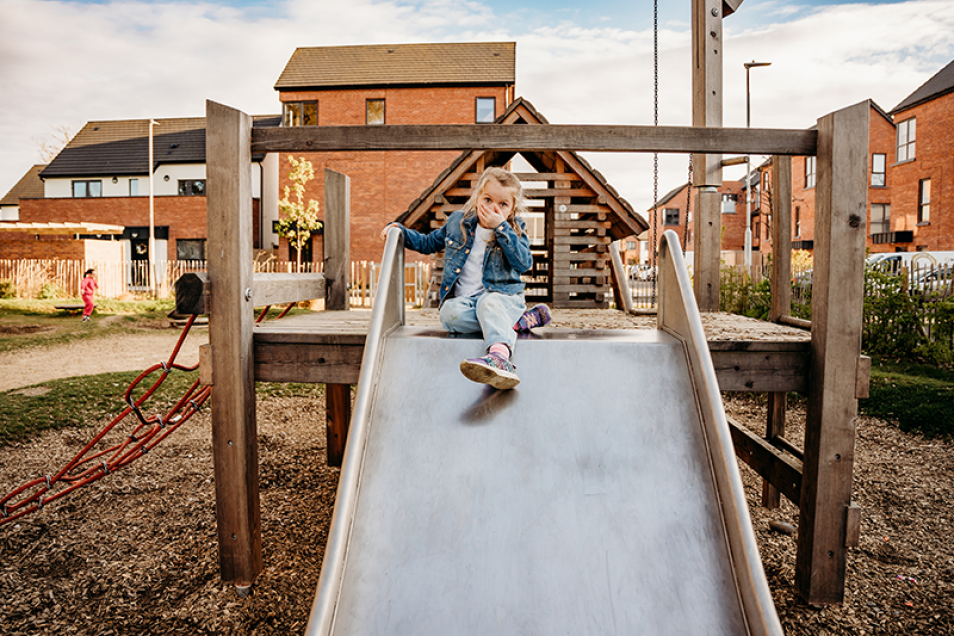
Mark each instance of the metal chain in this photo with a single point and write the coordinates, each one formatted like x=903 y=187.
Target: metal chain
x=655 y=242
x=685 y=229
x=89 y=465
x=86 y=468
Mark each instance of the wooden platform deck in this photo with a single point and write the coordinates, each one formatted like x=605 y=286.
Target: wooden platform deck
x=327 y=346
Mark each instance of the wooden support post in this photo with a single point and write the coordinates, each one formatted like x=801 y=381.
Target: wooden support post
x=337 y=241
x=781 y=237
x=781 y=294
x=837 y=307
x=707 y=169
x=338 y=417
x=234 y=435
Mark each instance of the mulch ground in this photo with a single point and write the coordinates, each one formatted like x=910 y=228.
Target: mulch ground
x=135 y=553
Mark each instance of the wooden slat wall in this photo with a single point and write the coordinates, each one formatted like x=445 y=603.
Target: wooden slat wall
x=573 y=271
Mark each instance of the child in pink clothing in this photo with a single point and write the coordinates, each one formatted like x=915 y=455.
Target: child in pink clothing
x=87 y=288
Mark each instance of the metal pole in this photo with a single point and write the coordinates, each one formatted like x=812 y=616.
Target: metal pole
x=152 y=216
x=748 y=182
x=748 y=169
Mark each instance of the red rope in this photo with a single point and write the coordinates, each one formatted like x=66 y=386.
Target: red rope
x=86 y=468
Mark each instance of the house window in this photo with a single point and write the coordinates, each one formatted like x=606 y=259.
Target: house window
x=671 y=216
x=190 y=249
x=809 y=172
x=192 y=188
x=765 y=181
x=374 y=111
x=924 y=201
x=798 y=221
x=630 y=246
x=729 y=202
x=878 y=162
x=84 y=189
x=880 y=218
x=486 y=110
x=134 y=187
x=300 y=114
x=906 y=135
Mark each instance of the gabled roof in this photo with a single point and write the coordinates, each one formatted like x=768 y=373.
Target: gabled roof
x=490 y=63
x=626 y=221
x=107 y=148
x=30 y=186
x=666 y=198
x=941 y=84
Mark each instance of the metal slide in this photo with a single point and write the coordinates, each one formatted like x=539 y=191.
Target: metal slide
x=601 y=496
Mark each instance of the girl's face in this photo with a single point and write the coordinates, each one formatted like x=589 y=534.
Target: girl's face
x=498 y=197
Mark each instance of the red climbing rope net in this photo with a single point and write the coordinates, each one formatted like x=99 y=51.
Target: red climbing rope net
x=89 y=464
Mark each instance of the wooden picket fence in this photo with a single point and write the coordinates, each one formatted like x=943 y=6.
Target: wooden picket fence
x=53 y=278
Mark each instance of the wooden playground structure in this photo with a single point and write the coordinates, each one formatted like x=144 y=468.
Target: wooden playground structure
x=327 y=347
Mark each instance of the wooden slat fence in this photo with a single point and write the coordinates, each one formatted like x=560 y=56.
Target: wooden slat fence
x=62 y=278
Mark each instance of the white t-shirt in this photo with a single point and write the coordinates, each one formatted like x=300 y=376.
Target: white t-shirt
x=471 y=279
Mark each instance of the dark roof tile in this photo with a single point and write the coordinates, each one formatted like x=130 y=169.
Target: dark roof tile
x=105 y=148
x=941 y=84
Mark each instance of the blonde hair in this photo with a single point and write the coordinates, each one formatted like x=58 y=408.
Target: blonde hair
x=507 y=180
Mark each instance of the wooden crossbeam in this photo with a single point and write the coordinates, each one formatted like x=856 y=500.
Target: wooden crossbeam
x=591 y=138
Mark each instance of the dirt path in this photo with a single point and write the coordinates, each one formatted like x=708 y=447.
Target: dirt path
x=129 y=352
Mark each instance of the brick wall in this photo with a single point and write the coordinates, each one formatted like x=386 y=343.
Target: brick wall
x=934 y=160
x=383 y=183
x=185 y=216
x=61 y=248
x=882 y=139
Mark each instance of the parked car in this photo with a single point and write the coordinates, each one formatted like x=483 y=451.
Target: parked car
x=935 y=282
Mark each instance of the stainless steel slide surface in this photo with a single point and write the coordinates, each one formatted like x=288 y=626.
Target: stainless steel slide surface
x=581 y=502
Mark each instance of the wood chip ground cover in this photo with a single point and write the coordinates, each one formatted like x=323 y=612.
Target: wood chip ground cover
x=135 y=553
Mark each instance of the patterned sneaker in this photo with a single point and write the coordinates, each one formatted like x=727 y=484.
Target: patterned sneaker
x=533 y=318
x=492 y=369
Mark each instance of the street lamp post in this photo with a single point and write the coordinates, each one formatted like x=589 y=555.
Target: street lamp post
x=152 y=217
x=748 y=168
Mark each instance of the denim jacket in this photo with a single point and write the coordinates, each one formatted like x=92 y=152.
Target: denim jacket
x=507 y=255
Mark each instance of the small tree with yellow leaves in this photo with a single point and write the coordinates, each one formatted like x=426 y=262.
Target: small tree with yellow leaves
x=297 y=220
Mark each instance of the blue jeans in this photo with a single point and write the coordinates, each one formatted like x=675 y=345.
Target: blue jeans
x=490 y=313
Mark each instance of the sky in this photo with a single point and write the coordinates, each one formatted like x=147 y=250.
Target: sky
x=64 y=63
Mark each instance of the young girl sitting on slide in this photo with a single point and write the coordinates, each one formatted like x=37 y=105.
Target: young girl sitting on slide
x=485 y=250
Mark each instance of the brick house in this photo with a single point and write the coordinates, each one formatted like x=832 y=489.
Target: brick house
x=30 y=186
x=449 y=83
x=102 y=177
x=921 y=176
x=881 y=158
x=672 y=208
x=910 y=181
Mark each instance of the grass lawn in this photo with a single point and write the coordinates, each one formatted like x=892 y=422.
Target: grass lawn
x=28 y=322
x=916 y=397
x=89 y=400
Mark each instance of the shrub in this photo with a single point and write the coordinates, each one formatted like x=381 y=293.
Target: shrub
x=7 y=289
x=51 y=290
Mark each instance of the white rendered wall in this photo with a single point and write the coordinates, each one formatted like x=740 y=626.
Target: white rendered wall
x=166 y=182
x=269 y=185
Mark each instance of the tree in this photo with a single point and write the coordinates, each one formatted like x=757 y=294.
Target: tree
x=297 y=221
x=49 y=148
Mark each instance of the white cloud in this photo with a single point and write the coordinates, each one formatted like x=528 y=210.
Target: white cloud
x=68 y=63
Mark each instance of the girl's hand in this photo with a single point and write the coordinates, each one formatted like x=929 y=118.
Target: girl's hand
x=489 y=214
x=384 y=232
